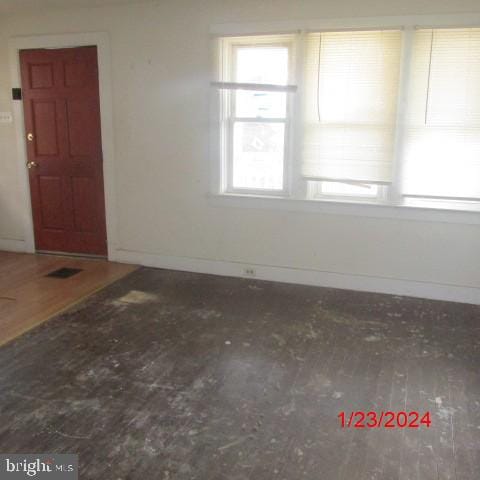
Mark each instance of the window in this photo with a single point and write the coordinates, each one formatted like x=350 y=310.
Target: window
x=442 y=140
x=339 y=190
x=350 y=105
x=386 y=116
x=256 y=111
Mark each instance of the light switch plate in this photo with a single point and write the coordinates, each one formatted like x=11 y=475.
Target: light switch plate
x=6 y=117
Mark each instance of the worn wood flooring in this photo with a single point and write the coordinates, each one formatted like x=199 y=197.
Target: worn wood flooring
x=168 y=375
x=28 y=297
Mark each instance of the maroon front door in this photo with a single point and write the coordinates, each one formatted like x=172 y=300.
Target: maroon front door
x=62 y=124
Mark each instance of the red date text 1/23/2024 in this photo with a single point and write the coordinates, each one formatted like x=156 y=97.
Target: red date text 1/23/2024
x=384 y=419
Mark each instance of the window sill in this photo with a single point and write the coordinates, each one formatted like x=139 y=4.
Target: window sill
x=357 y=209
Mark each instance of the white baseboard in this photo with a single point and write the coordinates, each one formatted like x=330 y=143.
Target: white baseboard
x=9 y=245
x=363 y=283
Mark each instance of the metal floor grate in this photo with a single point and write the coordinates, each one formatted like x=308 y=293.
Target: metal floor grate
x=64 y=272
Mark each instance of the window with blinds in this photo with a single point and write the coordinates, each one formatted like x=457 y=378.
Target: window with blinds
x=441 y=155
x=386 y=116
x=350 y=103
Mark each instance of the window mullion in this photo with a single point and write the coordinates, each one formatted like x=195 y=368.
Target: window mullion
x=394 y=194
x=229 y=154
x=298 y=186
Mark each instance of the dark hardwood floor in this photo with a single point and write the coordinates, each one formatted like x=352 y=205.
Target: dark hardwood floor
x=168 y=375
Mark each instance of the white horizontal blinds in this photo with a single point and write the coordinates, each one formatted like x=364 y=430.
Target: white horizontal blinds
x=350 y=100
x=442 y=135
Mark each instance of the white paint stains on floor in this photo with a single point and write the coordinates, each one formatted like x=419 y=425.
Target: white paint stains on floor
x=136 y=297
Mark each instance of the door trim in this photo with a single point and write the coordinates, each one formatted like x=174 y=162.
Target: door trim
x=102 y=42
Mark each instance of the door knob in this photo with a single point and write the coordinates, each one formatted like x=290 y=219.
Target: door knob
x=30 y=137
x=32 y=164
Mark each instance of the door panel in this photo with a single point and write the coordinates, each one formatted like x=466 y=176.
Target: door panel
x=62 y=114
x=51 y=202
x=40 y=75
x=83 y=191
x=76 y=73
x=44 y=119
x=82 y=133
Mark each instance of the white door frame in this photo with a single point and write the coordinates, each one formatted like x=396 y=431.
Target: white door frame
x=101 y=41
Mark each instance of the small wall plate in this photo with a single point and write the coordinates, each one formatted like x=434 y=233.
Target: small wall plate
x=16 y=93
x=6 y=117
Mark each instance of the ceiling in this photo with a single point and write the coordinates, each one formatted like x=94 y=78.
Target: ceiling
x=13 y=6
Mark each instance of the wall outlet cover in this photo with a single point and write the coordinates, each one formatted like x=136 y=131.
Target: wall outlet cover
x=249 y=272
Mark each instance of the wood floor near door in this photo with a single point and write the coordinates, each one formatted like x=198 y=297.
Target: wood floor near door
x=28 y=297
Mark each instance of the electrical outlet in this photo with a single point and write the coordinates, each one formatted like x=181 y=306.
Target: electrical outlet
x=249 y=272
x=6 y=117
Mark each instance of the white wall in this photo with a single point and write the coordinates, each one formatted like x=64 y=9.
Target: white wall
x=160 y=63
x=11 y=227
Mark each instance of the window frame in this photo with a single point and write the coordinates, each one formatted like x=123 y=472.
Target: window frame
x=297 y=191
x=316 y=192
x=229 y=119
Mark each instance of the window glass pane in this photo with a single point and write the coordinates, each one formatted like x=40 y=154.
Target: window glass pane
x=348 y=189
x=258 y=150
x=350 y=105
x=260 y=104
x=358 y=77
x=266 y=64
x=441 y=151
